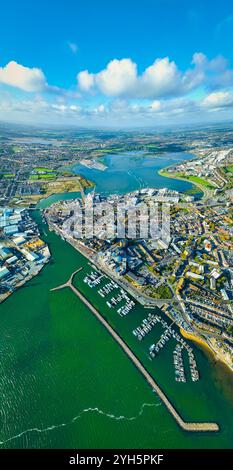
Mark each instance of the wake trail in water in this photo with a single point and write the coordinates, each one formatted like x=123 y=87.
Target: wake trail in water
x=76 y=418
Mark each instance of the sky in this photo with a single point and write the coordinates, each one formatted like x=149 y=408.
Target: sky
x=118 y=63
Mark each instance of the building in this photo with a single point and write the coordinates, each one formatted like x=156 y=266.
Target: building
x=10 y=230
x=3 y=272
x=30 y=256
x=19 y=240
x=194 y=275
x=212 y=283
x=12 y=259
x=215 y=273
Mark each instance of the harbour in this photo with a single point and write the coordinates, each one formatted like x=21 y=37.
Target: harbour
x=193 y=427
x=68 y=348
x=78 y=326
x=116 y=233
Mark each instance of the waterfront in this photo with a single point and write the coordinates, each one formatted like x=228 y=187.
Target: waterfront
x=134 y=170
x=66 y=383
x=57 y=362
x=128 y=172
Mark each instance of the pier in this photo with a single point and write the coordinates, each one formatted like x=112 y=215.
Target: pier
x=69 y=282
x=186 y=426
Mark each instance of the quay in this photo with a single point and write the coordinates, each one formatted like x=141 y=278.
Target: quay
x=186 y=426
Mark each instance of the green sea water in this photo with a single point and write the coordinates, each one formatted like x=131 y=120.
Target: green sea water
x=66 y=383
x=135 y=170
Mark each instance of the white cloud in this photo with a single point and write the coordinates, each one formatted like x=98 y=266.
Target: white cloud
x=157 y=108
x=116 y=113
x=155 y=105
x=119 y=78
x=85 y=80
x=74 y=107
x=59 y=107
x=24 y=78
x=161 y=92
x=39 y=110
x=219 y=99
x=162 y=79
x=65 y=108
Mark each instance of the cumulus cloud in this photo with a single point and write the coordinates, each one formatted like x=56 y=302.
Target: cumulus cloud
x=31 y=80
x=119 y=77
x=162 y=92
x=219 y=99
x=85 y=80
x=24 y=78
x=162 y=79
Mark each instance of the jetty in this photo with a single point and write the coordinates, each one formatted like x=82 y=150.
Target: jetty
x=69 y=282
x=186 y=426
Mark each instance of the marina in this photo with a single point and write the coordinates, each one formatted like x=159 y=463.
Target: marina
x=187 y=426
x=95 y=278
x=146 y=326
x=169 y=333
x=123 y=311
x=179 y=364
x=107 y=288
x=118 y=298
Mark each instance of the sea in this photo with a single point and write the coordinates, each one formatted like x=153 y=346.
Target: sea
x=65 y=382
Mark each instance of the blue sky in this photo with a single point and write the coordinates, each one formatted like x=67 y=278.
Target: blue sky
x=116 y=63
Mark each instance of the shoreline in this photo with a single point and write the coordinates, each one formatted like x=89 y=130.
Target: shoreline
x=194 y=183
x=187 y=335
x=23 y=282
x=205 y=345
x=196 y=339
x=37 y=199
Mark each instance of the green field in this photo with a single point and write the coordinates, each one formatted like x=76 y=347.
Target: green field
x=9 y=175
x=193 y=179
x=43 y=170
x=196 y=179
x=229 y=169
x=49 y=176
x=42 y=173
